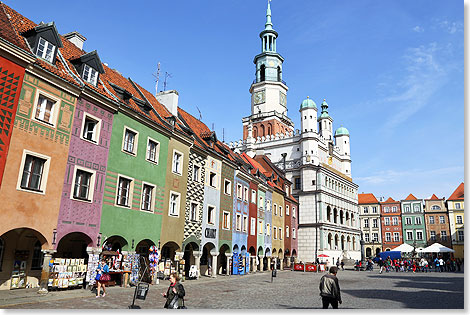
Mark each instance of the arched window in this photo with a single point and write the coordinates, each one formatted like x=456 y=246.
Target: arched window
x=435 y=207
x=262 y=73
x=262 y=131
x=255 y=132
x=328 y=214
x=335 y=216
x=36 y=262
x=279 y=74
x=269 y=129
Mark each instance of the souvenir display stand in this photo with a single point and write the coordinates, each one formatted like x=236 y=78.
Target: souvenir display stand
x=67 y=273
x=18 y=275
x=93 y=261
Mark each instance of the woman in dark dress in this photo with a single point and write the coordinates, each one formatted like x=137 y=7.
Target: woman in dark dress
x=175 y=293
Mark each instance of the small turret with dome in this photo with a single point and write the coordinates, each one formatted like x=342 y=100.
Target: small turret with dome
x=308 y=116
x=325 y=122
x=341 y=131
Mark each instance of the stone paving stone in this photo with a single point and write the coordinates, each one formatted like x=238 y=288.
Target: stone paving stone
x=290 y=290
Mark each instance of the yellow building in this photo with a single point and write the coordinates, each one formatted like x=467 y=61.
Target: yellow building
x=278 y=213
x=455 y=204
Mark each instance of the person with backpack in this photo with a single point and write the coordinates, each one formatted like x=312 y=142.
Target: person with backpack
x=175 y=293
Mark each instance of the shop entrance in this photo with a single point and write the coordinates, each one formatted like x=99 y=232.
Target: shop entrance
x=206 y=260
x=286 y=260
x=73 y=245
x=115 y=243
x=260 y=259
x=189 y=259
x=222 y=260
x=252 y=261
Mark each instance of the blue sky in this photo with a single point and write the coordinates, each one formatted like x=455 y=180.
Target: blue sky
x=392 y=71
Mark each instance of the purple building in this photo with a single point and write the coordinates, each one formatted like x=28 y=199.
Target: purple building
x=82 y=195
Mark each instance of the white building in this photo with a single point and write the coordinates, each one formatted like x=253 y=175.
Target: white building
x=315 y=159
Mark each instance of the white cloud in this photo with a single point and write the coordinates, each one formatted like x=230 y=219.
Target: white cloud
x=418 y=29
x=451 y=27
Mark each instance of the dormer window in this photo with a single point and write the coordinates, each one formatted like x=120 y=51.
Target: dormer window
x=45 y=50
x=90 y=75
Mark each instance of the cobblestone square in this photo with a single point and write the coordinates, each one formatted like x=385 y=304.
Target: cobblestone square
x=289 y=290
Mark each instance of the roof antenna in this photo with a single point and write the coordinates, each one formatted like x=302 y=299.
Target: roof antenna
x=167 y=76
x=200 y=114
x=157 y=76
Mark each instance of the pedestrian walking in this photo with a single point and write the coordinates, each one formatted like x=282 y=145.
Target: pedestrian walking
x=329 y=289
x=342 y=265
x=175 y=293
x=102 y=277
x=381 y=265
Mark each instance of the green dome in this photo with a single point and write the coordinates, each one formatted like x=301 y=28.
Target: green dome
x=324 y=115
x=341 y=131
x=308 y=103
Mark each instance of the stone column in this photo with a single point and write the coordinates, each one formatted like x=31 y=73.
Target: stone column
x=45 y=271
x=228 y=255
x=214 y=264
x=269 y=263
x=281 y=264
x=197 y=258
x=253 y=263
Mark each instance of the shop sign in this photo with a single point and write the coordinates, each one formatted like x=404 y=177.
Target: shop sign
x=210 y=233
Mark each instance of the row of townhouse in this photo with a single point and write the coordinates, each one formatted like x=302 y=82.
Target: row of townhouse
x=417 y=222
x=90 y=158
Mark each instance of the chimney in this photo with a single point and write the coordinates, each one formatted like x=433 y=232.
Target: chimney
x=76 y=38
x=169 y=99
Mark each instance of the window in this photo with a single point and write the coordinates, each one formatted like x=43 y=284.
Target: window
x=433 y=235
x=38 y=257
x=395 y=221
x=396 y=236
x=280 y=211
x=153 y=150
x=366 y=223
x=442 y=220
x=407 y=209
x=213 y=179
x=174 y=210
x=130 y=141
x=211 y=214
x=147 y=194
x=45 y=50
x=457 y=205
x=459 y=219
x=253 y=226
x=374 y=209
x=419 y=235
x=435 y=207
x=293 y=233
x=239 y=191
x=82 y=185
x=297 y=183
x=227 y=187
x=226 y=221
x=280 y=233
x=409 y=235
x=45 y=109
x=275 y=209
x=261 y=203
x=416 y=208
x=245 y=223
x=287 y=231
x=444 y=235
x=260 y=227
x=366 y=209
x=287 y=209
x=461 y=234
x=90 y=75
x=193 y=211
x=394 y=209
x=245 y=194
x=388 y=237
x=268 y=205
x=386 y=221
x=124 y=187
x=196 y=173
x=375 y=223
x=431 y=220
x=238 y=223
x=293 y=212
x=408 y=221
x=386 y=209
x=418 y=220
x=177 y=163
x=32 y=172
x=253 y=196
x=91 y=129
x=366 y=237
x=268 y=229
x=274 y=233
x=375 y=237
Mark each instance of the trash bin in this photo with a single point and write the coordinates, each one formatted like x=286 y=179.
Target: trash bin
x=142 y=290
x=274 y=273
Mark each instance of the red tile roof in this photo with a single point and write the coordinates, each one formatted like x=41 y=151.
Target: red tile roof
x=7 y=30
x=458 y=194
x=367 y=198
x=389 y=200
x=434 y=197
x=411 y=197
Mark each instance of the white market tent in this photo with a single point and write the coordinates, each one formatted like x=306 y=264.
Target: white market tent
x=438 y=248
x=404 y=248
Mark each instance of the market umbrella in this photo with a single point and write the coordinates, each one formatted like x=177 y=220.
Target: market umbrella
x=404 y=248
x=438 y=248
x=323 y=255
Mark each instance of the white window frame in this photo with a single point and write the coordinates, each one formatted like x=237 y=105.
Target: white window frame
x=92 y=74
x=96 y=131
x=432 y=235
x=287 y=231
x=457 y=205
x=157 y=151
x=54 y=111
x=274 y=233
x=44 y=175
x=387 y=221
x=366 y=223
x=374 y=209
x=229 y=193
x=135 y=144
x=366 y=237
x=293 y=212
x=275 y=209
x=181 y=161
x=388 y=237
x=260 y=202
x=253 y=226
x=394 y=220
x=214 y=183
x=460 y=236
x=280 y=210
x=130 y=195
x=46 y=45
x=431 y=220
x=196 y=176
x=227 y=225
x=260 y=227
x=409 y=235
x=408 y=221
x=418 y=221
x=394 y=238
x=294 y=236
x=280 y=234
x=91 y=187
x=245 y=193
x=211 y=218
x=459 y=219
x=375 y=223
x=442 y=219
x=268 y=205
x=178 y=204
x=239 y=191
x=253 y=196
x=394 y=209
x=366 y=209
x=245 y=223
x=238 y=222
x=152 y=200
x=287 y=210
x=444 y=235
x=196 y=212
x=418 y=232
x=268 y=229
x=375 y=237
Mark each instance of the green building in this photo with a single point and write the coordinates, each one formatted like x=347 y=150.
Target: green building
x=413 y=224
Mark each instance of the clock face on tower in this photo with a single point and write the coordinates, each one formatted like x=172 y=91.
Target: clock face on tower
x=259 y=97
x=282 y=99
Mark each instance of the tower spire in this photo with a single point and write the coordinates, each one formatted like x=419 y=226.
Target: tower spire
x=269 y=24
